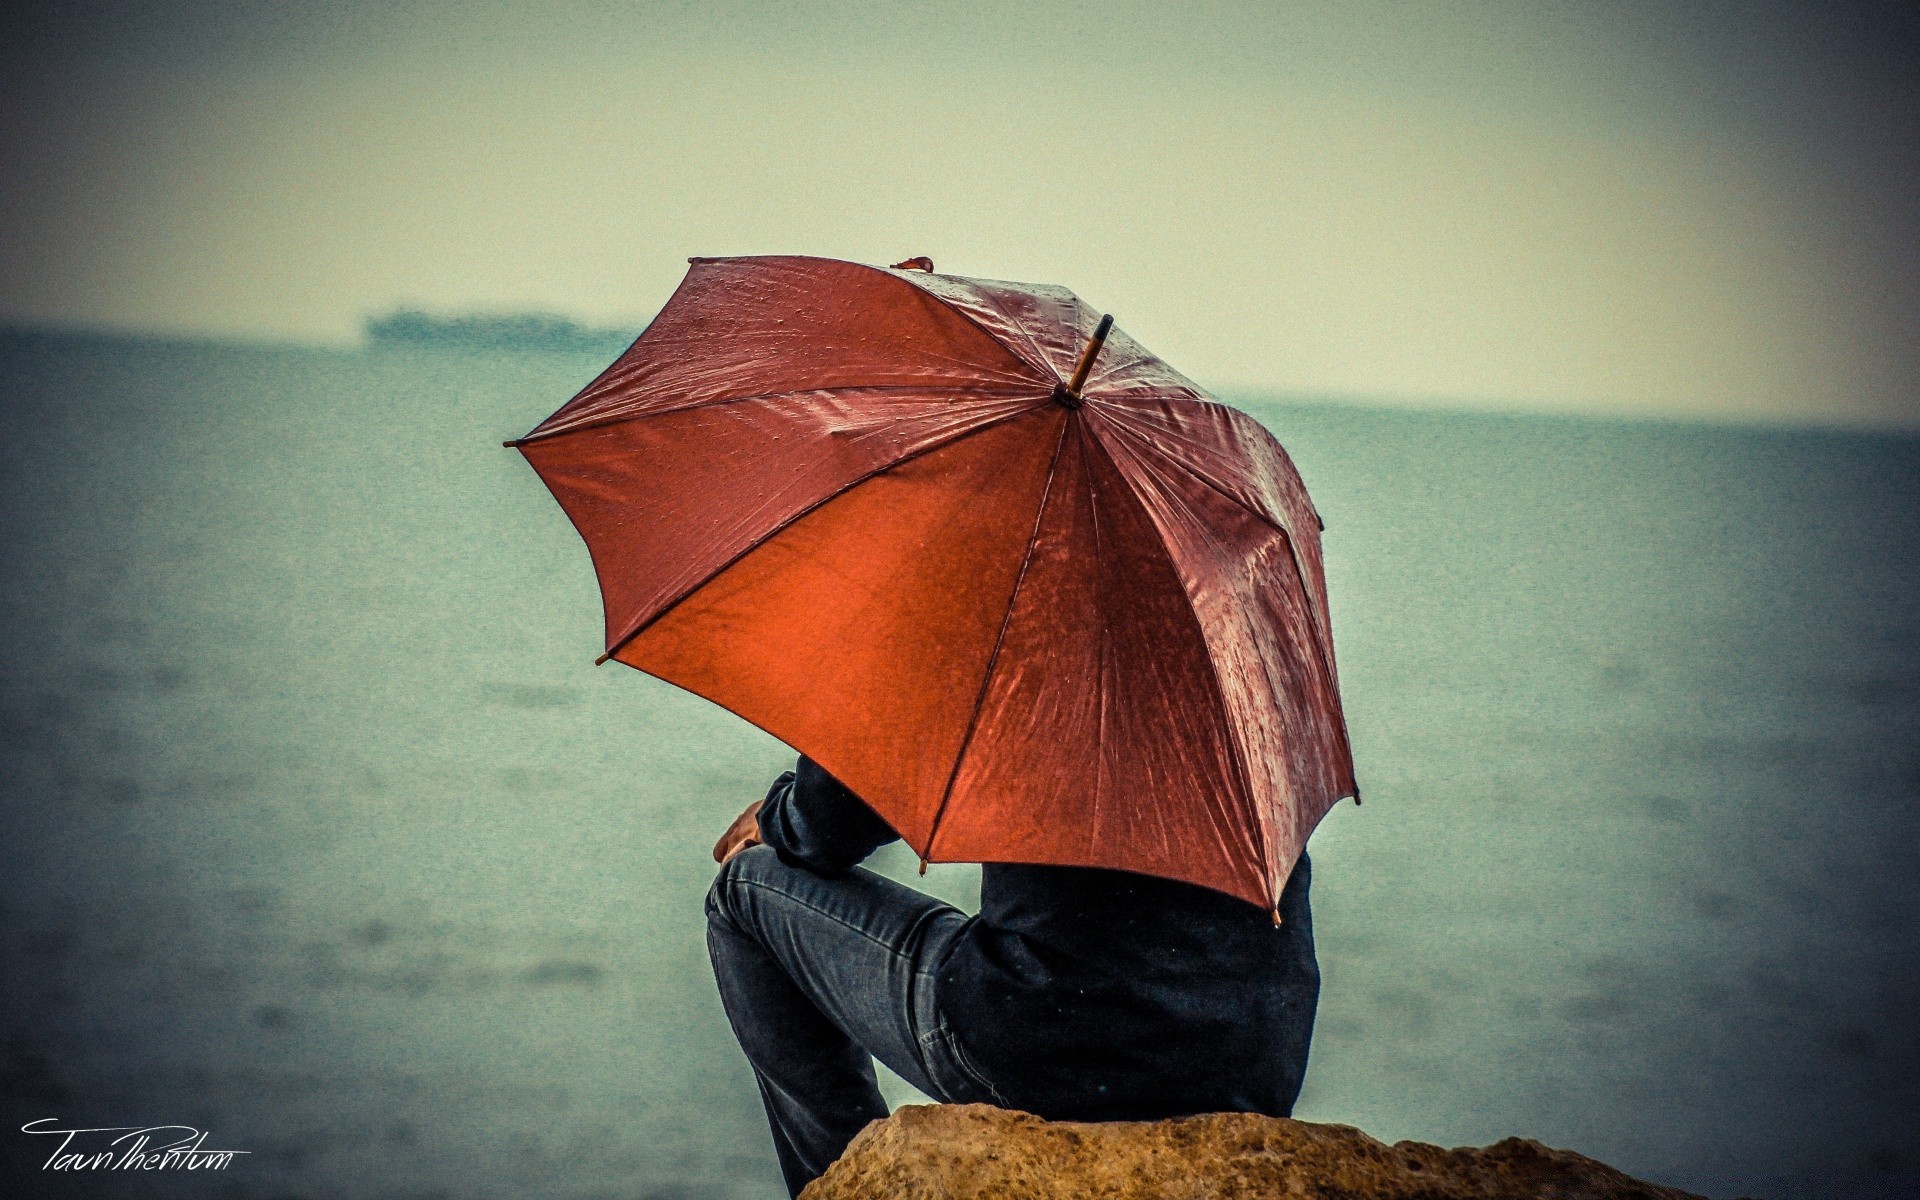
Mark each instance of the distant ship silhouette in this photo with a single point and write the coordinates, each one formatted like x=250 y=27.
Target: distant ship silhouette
x=546 y=332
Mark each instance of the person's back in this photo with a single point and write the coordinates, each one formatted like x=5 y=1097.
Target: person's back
x=1075 y=994
x=1088 y=994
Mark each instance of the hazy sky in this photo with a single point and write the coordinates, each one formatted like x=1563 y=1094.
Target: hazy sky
x=1685 y=209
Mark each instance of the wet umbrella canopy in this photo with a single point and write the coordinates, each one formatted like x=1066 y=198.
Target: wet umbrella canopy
x=1025 y=588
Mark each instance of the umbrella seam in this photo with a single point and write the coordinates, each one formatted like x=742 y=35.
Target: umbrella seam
x=615 y=647
x=1184 y=466
x=1010 y=319
x=993 y=659
x=899 y=277
x=542 y=435
x=1106 y=646
x=638 y=338
x=1219 y=688
x=1206 y=399
x=1320 y=617
x=1044 y=368
x=1279 y=527
x=688 y=277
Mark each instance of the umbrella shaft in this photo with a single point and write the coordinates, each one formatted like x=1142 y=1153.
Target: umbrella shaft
x=1087 y=356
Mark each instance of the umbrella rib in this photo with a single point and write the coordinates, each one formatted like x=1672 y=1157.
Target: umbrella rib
x=1219 y=688
x=1236 y=501
x=541 y=435
x=1306 y=589
x=999 y=640
x=1319 y=617
x=1320 y=654
x=538 y=435
x=1100 y=677
x=783 y=526
x=1039 y=353
x=1044 y=368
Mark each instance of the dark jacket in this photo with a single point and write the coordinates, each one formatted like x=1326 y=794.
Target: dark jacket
x=1091 y=994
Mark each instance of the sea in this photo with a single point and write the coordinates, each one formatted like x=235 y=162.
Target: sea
x=324 y=837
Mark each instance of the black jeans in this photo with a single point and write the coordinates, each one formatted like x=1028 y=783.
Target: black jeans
x=818 y=974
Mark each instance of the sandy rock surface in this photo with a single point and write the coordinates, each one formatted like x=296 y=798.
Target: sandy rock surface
x=964 y=1151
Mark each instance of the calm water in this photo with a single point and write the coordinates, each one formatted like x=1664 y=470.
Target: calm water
x=322 y=832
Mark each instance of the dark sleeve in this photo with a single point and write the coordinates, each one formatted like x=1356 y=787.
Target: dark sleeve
x=812 y=820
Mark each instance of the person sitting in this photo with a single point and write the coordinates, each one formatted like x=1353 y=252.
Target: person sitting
x=1076 y=993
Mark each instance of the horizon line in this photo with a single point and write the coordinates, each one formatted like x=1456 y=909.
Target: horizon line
x=459 y=326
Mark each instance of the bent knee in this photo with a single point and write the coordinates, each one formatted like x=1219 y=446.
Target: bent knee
x=748 y=864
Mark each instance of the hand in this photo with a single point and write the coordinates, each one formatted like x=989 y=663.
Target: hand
x=744 y=832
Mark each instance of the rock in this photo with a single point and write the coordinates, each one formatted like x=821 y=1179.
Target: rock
x=969 y=1151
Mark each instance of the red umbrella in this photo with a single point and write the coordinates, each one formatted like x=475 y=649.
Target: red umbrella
x=1022 y=586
